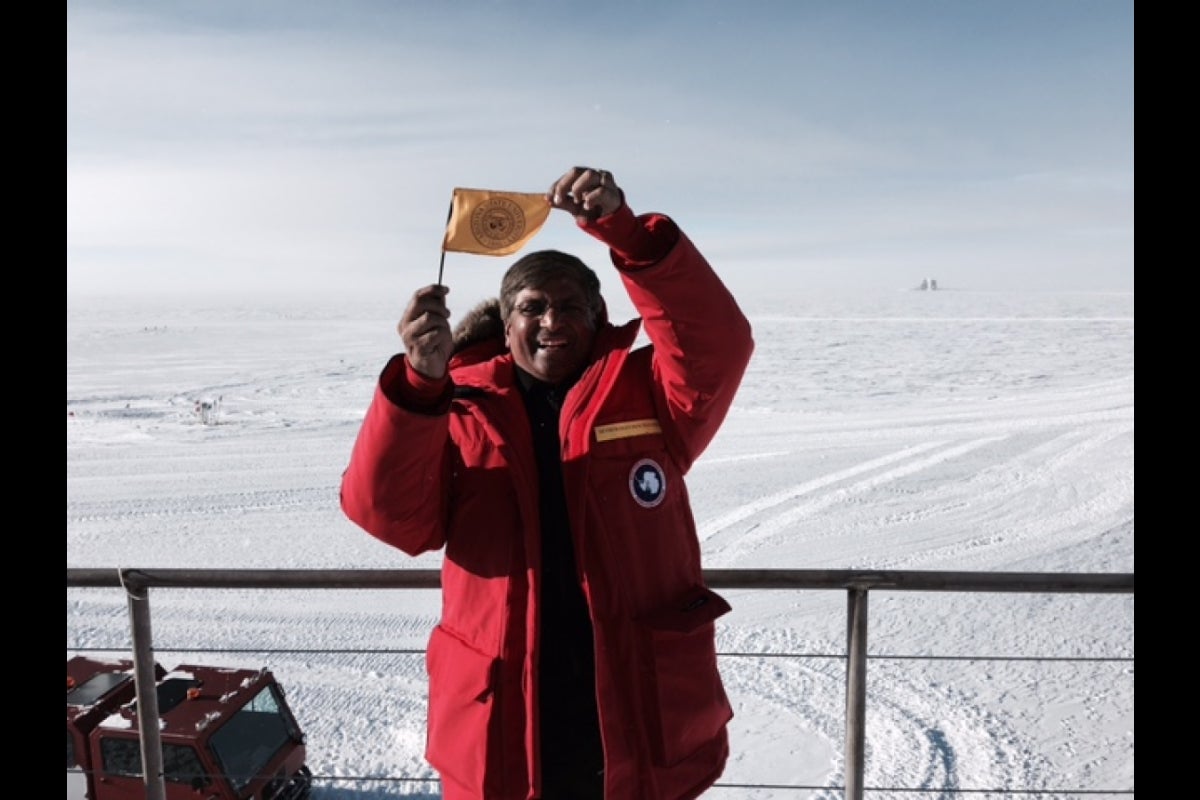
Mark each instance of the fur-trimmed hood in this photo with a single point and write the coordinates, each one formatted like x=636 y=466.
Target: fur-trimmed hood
x=482 y=323
x=479 y=335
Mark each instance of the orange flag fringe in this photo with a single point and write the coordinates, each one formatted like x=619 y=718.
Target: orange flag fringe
x=491 y=223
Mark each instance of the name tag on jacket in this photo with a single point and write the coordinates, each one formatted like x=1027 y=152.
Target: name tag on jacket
x=625 y=430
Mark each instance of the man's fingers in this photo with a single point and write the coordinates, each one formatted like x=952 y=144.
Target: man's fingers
x=429 y=300
x=433 y=289
x=585 y=192
x=575 y=184
x=586 y=185
x=562 y=189
x=430 y=296
x=425 y=328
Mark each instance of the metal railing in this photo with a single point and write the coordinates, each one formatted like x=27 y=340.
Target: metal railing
x=856 y=583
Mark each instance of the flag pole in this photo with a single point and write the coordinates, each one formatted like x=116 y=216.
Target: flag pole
x=442 y=263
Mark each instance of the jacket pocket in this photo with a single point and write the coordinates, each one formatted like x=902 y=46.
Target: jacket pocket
x=686 y=702
x=461 y=704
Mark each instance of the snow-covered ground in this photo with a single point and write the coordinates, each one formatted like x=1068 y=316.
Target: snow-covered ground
x=902 y=430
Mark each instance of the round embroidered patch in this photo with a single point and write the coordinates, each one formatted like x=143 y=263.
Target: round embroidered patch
x=647 y=483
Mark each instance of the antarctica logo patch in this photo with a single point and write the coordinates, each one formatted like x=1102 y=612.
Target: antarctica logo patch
x=647 y=483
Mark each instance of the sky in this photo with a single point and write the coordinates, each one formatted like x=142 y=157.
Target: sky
x=974 y=431
x=281 y=147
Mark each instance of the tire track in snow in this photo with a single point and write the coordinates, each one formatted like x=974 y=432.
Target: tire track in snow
x=921 y=731
x=312 y=498
x=987 y=498
x=725 y=554
x=717 y=526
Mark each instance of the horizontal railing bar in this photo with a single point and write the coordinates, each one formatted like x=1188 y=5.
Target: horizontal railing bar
x=413 y=651
x=940 y=792
x=137 y=579
x=333 y=779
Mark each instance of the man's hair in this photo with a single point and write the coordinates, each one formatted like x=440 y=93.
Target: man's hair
x=539 y=268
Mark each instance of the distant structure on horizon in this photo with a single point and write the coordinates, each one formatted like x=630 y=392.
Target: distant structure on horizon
x=928 y=284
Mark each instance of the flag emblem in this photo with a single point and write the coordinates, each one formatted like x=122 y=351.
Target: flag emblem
x=497 y=223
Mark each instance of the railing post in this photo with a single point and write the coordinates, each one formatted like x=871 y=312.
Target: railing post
x=146 y=681
x=856 y=690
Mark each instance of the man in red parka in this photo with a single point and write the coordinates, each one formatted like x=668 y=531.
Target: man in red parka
x=575 y=657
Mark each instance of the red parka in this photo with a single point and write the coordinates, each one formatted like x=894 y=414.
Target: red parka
x=465 y=478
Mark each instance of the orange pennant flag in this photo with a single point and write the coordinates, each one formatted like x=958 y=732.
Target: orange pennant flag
x=493 y=223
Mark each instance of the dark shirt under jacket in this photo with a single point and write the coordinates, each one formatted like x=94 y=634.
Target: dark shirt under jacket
x=572 y=756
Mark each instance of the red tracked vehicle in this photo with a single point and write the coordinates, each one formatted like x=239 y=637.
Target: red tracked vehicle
x=227 y=734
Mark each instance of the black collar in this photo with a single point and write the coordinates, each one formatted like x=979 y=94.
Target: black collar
x=528 y=383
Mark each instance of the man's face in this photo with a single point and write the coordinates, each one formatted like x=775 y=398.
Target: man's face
x=550 y=329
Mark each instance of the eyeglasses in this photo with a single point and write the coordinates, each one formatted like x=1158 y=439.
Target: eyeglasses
x=535 y=309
